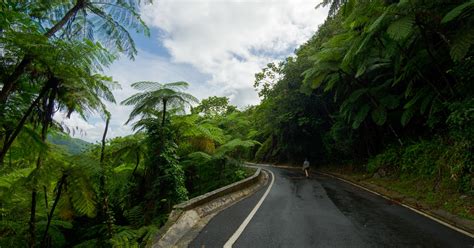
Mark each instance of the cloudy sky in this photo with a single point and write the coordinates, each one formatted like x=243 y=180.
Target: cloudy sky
x=215 y=45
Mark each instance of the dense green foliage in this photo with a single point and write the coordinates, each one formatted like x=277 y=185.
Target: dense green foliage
x=382 y=85
x=56 y=191
x=73 y=146
x=388 y=82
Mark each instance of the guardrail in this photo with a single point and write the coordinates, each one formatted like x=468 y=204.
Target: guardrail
x=183 y=217
x=202 y=199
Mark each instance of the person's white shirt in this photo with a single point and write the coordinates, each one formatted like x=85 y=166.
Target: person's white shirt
x=305 y=164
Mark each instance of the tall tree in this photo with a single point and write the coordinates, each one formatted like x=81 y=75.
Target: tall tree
x=104 y=20
x=79 y=89
x=213 y=106
x=158 y=97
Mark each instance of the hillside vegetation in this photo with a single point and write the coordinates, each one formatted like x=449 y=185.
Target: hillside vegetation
x=73 y=146
x=383 y=88
x=57 y=191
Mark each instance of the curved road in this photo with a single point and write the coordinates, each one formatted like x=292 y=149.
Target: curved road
x=324 y=212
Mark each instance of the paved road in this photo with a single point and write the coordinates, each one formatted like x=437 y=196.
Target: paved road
x=324 y=212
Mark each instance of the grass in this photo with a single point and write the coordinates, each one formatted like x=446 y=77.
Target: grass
x=249 y=171
x=419 y=190
x=422 y=190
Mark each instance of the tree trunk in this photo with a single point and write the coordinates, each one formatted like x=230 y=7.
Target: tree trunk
x=71 y=13
x=22 y=122
x=45 y=199
x=164 y=114
x=396 y=135
x=50 y=216
x=6 y=137
x=32 y=223
x=137 y=163
x=102 y=152
x=10 y=82
x=47 y=118
x=105 y=215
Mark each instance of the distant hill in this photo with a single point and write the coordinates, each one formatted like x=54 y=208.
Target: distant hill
x=72 y=145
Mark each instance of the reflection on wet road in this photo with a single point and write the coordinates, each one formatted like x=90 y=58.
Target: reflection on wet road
x=325 y=212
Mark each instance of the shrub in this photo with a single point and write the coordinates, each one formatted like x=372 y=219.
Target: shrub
x=389 y=159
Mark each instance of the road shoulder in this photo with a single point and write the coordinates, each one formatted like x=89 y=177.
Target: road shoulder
x=452 y=221
x=225 y=202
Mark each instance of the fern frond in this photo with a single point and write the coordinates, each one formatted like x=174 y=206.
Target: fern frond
x=135 y=216
x=457 y=11
x=125 y=237
x=401 y=28
x=461 y=43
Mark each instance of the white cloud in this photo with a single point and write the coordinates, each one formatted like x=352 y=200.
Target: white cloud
x=215 y=45
x=232 y=40
x=146 y=67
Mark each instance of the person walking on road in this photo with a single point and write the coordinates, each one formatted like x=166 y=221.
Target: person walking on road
x=306 y=167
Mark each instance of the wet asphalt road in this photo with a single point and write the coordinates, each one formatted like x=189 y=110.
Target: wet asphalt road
x=325 y=212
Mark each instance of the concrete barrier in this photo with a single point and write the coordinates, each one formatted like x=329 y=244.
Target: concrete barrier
x=186 y=215
x=202 y=199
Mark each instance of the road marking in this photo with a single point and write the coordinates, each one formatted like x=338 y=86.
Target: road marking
x=247 y=220
x=275 y=166
x=402 y=204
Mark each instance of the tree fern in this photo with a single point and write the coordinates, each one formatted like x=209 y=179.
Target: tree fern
x=83 y=198
x=55 y=232
x=461 y=43
x=199 y=156
x=128 y=237
x=79 y=196
x=135 y=216
x=401 y=28
x=334 y=5
x=156 y=96
x=457 y=11
x=234 y=145
x=87 y=244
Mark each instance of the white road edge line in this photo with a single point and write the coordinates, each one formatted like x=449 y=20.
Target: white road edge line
x=404 y=205
x=247 y=220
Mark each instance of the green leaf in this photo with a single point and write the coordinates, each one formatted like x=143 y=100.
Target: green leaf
x=333 y=80
x=318 y=80
x=425 y=103
x=375 y=25
x=461 y=43
x=420 y=94
x=360 y=71
x=403 y=2
x=379 y=115
x=406 y=116
x=361 y=115
x=409 y=89
x=401 y=28
x=356 y=95
x=451 y=15
x=390 y=102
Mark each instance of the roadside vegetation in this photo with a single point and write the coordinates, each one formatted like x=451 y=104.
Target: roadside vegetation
x=383 y=88
x=56 y=191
